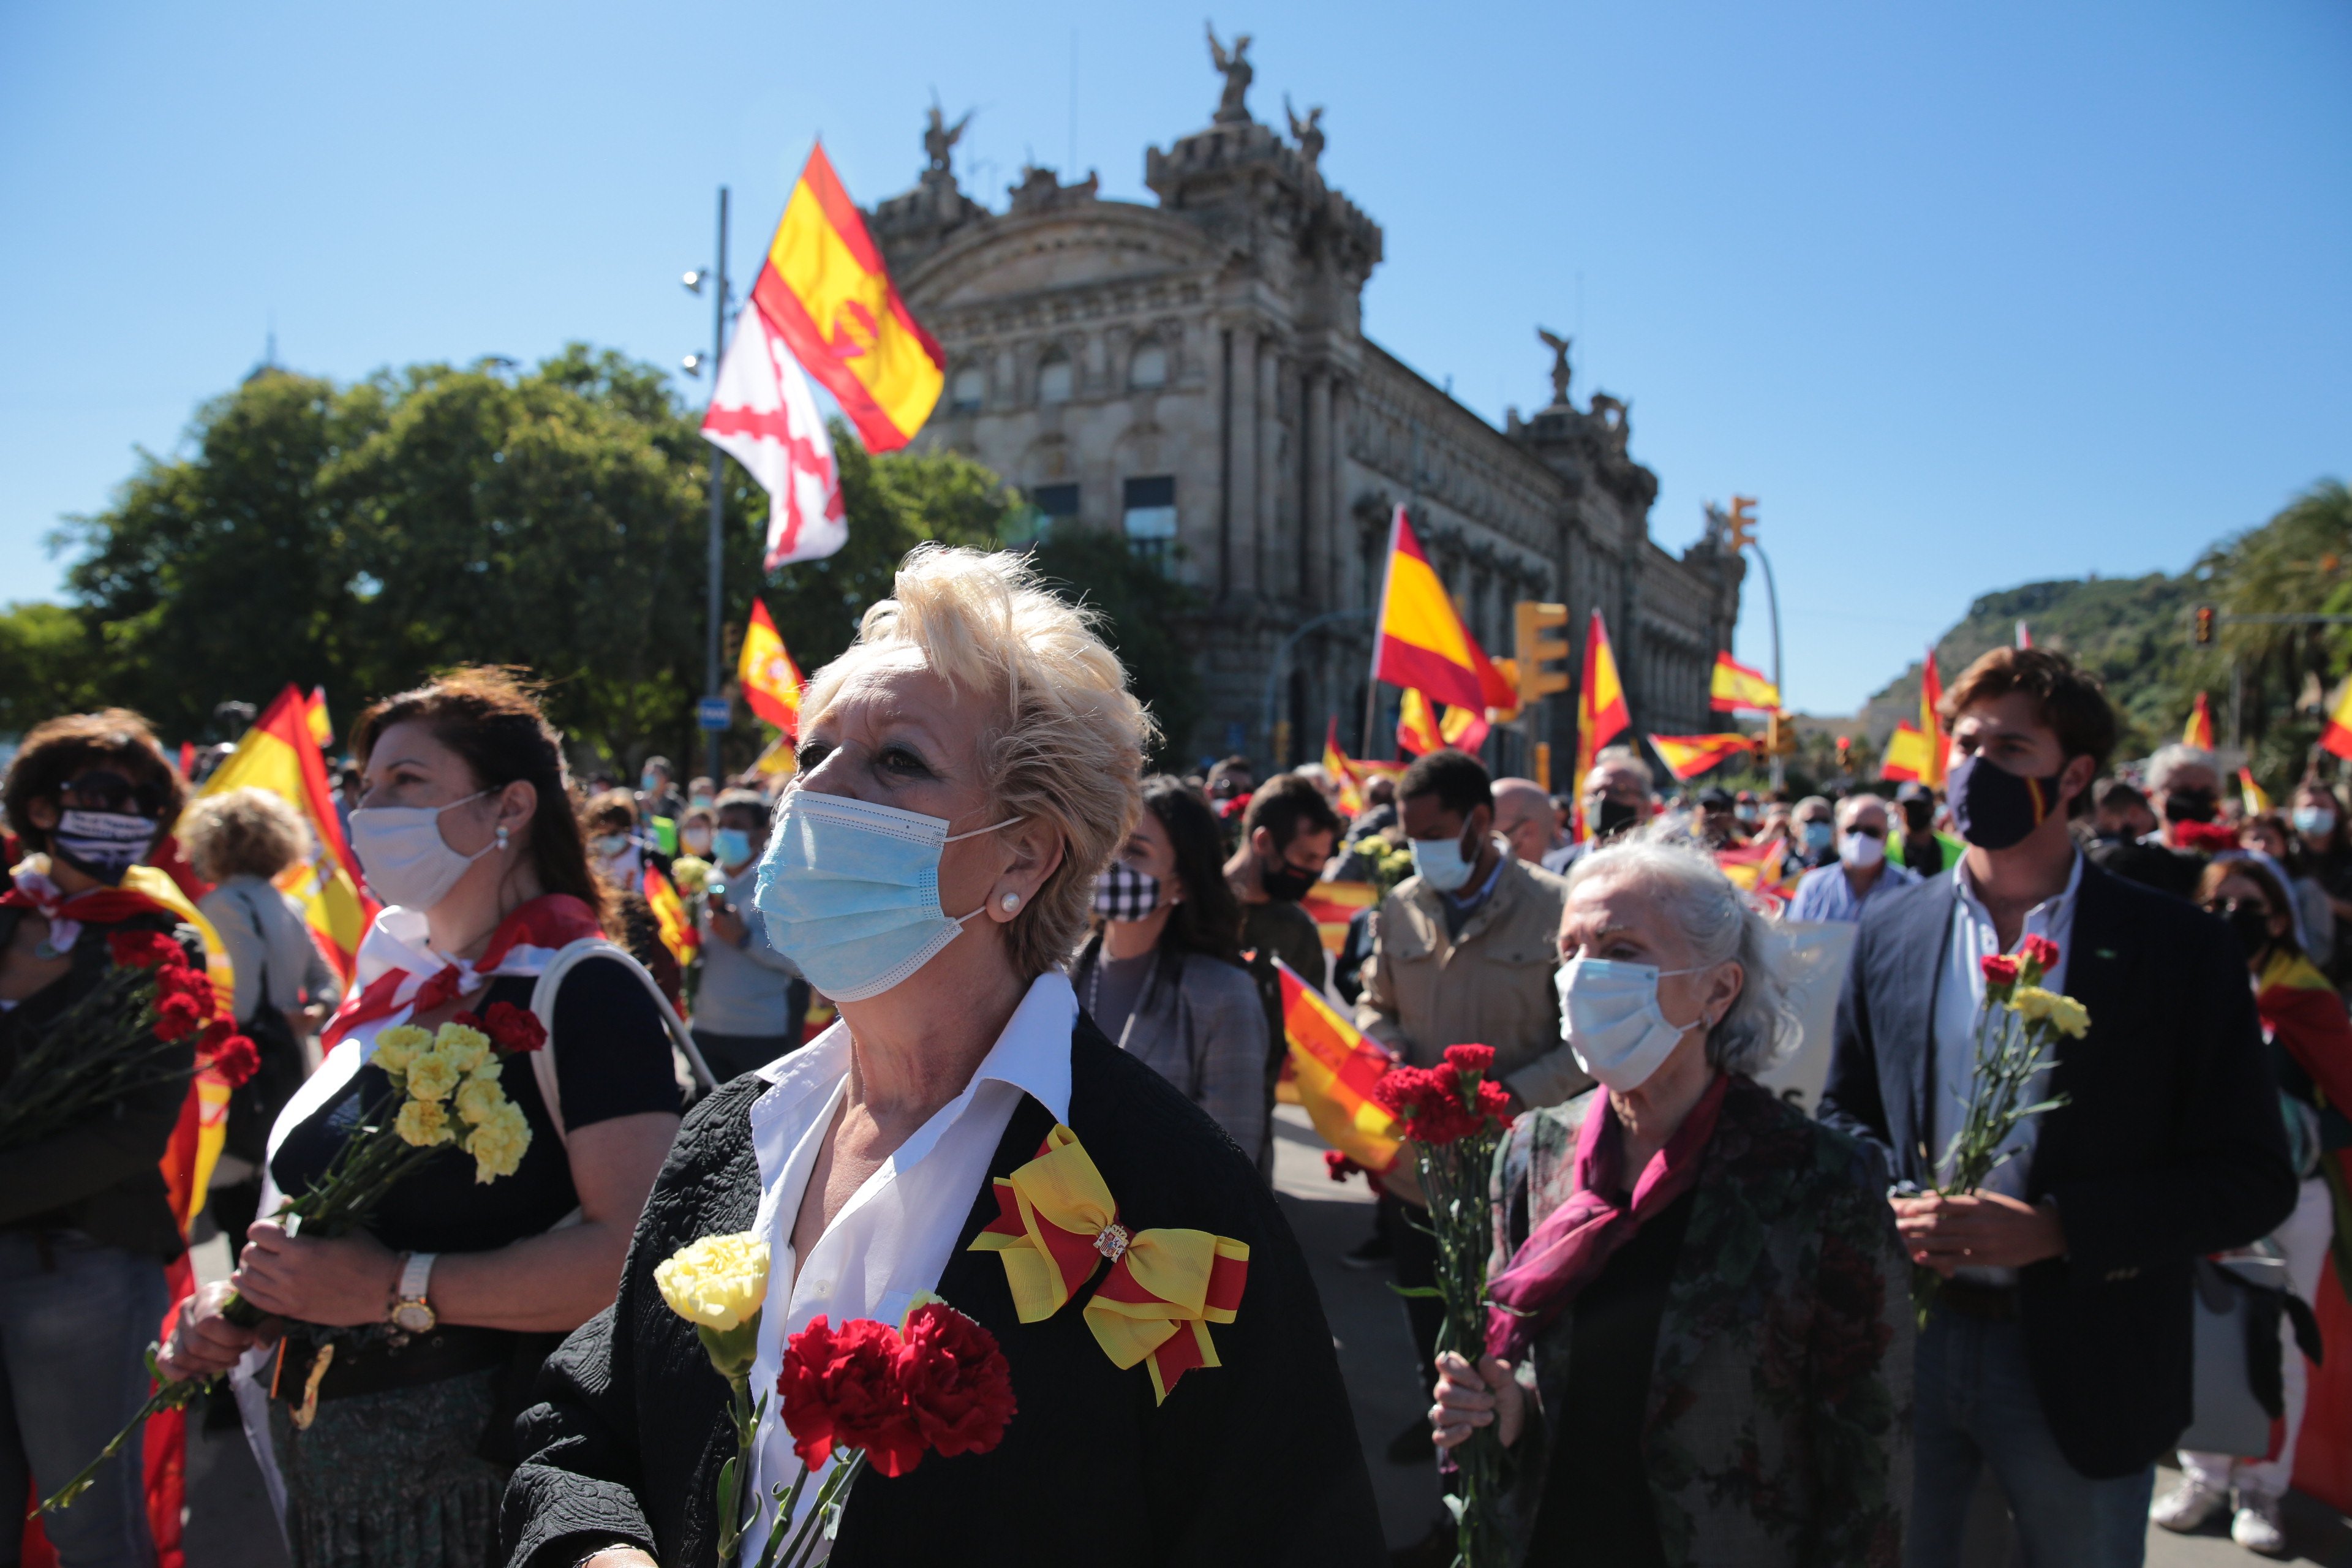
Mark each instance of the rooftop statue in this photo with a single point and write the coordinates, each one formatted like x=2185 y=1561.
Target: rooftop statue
x=1307 y=133
x=939 y=138
x=1237 y=72
x=1560 y=371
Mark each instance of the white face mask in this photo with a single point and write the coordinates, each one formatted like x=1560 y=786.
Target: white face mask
x=404 y=857
x=1609 y=1014
x=1861 y=851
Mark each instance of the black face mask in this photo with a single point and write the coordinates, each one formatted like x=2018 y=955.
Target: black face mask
x=1614 y=817
x=2250 y=924
x=1285 y=882
x=2191 y=805
x=1995 y=809
x=1918 y=816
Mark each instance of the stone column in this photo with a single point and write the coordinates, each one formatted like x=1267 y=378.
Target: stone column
x=1242 y=427
x=1271 y=538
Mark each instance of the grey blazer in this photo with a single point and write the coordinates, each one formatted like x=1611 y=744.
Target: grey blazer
x=1199 y=1024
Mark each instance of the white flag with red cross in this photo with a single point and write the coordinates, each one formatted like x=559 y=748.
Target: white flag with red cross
x=764 y=416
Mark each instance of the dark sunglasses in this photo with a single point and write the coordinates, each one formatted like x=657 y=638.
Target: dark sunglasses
x=1867 y=832
x=103 y=790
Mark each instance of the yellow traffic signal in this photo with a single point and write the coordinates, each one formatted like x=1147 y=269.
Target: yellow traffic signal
x=2204 y=624
x=1536 y=647
x=1742 y=518
x=1780 y=739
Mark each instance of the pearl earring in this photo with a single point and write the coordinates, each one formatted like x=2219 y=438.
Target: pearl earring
x=502 y=840
x=1010 y=902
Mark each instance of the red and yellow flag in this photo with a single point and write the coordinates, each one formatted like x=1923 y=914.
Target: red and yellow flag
x=1333 y=905
x=677 y=932
x=1906 y=754
x=771 y=680
x=1335 y=1068
x=280 y=754
x=322 y=728
x=1931 y=723
x=1421 y=731
x=2338 y=735
x=1687 y=756
x=1342 y=771
x=1758 y=869
x=2255 y=796
x=1423 y=642
x=1736 y=688
x=2199 y=731
x=1600 y=714
x=826 y=293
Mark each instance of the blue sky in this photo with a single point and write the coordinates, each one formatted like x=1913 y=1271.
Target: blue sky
x=1968 y=296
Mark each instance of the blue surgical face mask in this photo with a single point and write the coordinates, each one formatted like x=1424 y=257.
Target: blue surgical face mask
x=1441 y=863
x=851 y=891
x=2314 y=821
x=731 y=844
x=1818 y=835
x=1609 y=1016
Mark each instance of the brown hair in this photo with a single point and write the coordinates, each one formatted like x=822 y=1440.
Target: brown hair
x=247 y=832
x=610 y=806
x=60 y=749
x=491 y=716
x=2275 y=892
x=2071 y=702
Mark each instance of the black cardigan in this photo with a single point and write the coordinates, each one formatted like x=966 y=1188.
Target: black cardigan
x=1252 y=1461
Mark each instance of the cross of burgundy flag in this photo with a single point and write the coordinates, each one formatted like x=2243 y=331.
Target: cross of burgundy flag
x=764 y=416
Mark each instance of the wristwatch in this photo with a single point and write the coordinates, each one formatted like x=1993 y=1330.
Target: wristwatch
x=411 y=1312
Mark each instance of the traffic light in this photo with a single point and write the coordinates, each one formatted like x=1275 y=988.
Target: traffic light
x=2204 y=625
x=1845 y=754
x=1742 y=518
x=1779 y=738
x=1541 y=638
x=1760 y=747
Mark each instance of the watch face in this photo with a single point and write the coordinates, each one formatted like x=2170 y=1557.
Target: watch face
x=413 y=1316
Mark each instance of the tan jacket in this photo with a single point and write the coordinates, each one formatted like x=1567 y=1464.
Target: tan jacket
x=1423 y=992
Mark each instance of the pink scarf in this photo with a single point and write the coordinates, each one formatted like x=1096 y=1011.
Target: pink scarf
x=400 y=975
x=1575 y=1241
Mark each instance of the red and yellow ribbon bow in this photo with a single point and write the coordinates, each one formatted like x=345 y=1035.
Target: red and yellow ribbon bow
x=1057 y=1221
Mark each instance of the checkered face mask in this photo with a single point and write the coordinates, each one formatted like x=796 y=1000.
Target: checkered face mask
x=1124 y=893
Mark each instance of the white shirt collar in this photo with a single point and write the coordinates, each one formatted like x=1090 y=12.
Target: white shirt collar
x=2047 y=909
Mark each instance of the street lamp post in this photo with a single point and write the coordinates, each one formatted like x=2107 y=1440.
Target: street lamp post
x=712 y=673
x=1772 y=596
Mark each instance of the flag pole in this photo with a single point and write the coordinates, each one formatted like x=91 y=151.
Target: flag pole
x=718 y=496
x=1379 y=622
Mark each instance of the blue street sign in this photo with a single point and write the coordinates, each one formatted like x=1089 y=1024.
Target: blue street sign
x=711 y=714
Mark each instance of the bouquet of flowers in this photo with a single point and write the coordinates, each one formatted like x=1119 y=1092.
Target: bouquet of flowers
x=433 y=1073
x=121 y=1037
x=2016 y=1029
x=882 y=1396
x=1454 y=1117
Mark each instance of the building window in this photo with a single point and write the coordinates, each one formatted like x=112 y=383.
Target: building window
x=1055 y=378
x=1150 y=516
x=970 y=385
x=1049 y=507
x=1148 y=368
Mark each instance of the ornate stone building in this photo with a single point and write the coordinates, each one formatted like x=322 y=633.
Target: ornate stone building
x=1195 y=374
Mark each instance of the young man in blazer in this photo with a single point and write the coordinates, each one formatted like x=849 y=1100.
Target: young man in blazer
x=2058 y=1349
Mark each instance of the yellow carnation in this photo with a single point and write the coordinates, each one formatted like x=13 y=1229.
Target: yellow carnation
x=397 y=1046
x=423 y=1124
x=487 y=1072
x=2033 y=1001
x=461 y=1047
x=2073 y=1019
x=430 y=1077
x=499 y=1143
x=717 y=1282
x=478 y=1099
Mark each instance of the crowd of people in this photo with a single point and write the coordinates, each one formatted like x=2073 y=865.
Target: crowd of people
x=967 y=929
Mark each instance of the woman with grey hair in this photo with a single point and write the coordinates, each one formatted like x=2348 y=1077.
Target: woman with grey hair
x=1699 y=1347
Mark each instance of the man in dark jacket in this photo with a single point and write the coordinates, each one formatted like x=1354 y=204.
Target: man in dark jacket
x=2058 y=1347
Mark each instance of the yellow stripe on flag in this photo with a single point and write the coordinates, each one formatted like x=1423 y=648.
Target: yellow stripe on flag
x=1334 y=905
x=279 y=755
x=1335 y=1068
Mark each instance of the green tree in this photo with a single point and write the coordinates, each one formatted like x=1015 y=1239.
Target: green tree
x=1144 y=618
x=45 y=665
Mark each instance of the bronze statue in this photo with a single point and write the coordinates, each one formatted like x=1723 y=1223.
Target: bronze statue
x=1560 y=371
x=939 y=138
x=1236 y=68
x=1616 y=418
x=1307 y=133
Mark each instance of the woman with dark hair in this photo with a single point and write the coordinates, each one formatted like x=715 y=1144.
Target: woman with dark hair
x=85 y=1226
x=439 y=1311
x=1160 y=974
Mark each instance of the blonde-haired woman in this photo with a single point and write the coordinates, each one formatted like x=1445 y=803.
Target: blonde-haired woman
x=242 y=841
x=966 y=769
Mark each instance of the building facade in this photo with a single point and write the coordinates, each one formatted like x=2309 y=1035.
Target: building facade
x=1196 y=375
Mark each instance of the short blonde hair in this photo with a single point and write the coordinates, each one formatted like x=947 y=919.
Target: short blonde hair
x=242 y=831
x=1066 y=741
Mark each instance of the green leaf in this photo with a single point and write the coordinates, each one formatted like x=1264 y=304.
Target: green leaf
x=1418 y=1292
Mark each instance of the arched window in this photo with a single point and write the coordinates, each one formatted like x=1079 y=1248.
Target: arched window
x=1055 y=379
x=1148 y=368
x=968 y=391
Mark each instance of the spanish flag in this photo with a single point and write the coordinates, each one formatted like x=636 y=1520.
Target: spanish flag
x=1342 y=771
x=1758 y=869
x=2256 y=798
x=677 y=932
x=1334 y=905
x=1334 y=1070
x=1422 y=643
x=1736 y=688
x=280 y=754
x=1600 y=715
x=771 y=680
x=826 y=293
x=1687 y=756
x=1931 y=722
x=322 y=728
x=1422 y=731
x=2199 y=731
x=2337 y=736
x=1906 y=754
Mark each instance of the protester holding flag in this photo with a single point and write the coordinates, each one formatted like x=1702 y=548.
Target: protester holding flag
x=86 y=1223
x=750 y=999
x=240 y=842
x=1161 y=972
x=413 y=1341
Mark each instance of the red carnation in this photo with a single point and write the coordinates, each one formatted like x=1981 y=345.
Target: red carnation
x=176 y=1017
x=2040 y=951
x=955 y=1382
x=142 y=949
x=1340 y=1167
x=178 y=980
x=1471 y=1062
x=235 y=1061
x=1999 y=971
x=513 y=1029
x=839 y=1388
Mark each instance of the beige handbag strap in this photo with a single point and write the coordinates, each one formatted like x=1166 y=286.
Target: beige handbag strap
x=542 y=1003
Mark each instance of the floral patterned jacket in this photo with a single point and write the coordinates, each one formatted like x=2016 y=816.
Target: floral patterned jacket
x=1779 y=1426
